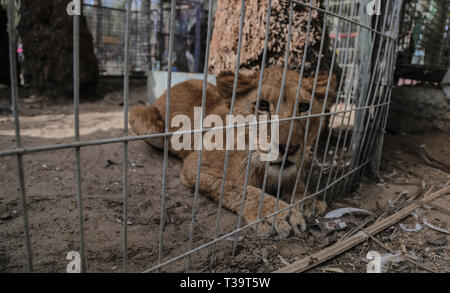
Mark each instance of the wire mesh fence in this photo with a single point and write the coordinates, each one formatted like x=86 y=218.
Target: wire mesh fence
x=107 y=25
x=423 y=41
x=149 y=36
x=365 y=46
x=335 y=25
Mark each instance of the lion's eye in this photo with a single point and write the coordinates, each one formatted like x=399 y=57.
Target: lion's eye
x=303 y=107
x=264 y=106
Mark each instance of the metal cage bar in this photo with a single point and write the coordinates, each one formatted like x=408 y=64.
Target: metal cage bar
x=324 y=103
x=347 y=102
x=199 y=168
x=227 y=153
x=286 y=59
x=258 y=100
x=326 y=96
x=166 y=129
x=297 y=101
x=55 y=147
x=126 y=89
x=14 y=102
x=76 y=94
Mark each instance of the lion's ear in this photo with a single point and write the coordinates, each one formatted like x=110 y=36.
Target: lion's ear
x=321 y=87
x=225 y=83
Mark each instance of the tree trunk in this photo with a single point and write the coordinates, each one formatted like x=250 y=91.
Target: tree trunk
x=226 y=32
x=4 y=48
x=46 y=31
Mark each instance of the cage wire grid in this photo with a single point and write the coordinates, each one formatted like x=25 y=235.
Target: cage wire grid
x=149 y=39
x=367 y=97
x=109 y=25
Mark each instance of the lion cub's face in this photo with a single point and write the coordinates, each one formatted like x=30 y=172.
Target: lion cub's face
x=245 y=104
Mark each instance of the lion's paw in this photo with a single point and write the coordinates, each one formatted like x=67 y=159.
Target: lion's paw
x=286 y=224
x=315 y=208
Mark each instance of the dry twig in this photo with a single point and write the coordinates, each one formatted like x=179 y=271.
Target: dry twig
x=338 y=248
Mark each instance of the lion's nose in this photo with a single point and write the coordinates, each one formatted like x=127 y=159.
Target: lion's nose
x=292 y=149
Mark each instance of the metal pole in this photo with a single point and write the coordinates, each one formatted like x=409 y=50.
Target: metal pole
x=277 y=112
x=126 y=85
x=227 y=152
x=258 y=100
x=14 y=102
x=199 y=168
x=167 y=129
x=76 y=94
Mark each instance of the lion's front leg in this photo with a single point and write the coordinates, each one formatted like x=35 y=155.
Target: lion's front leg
x=286 y=223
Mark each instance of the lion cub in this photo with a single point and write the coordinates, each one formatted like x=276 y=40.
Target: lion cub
x=188 y=95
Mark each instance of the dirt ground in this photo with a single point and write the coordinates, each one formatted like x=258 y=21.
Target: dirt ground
x=52 y=204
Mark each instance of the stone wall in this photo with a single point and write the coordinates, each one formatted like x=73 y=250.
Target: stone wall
x=418 y=109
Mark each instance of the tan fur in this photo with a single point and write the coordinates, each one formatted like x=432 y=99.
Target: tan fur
x=187 y=95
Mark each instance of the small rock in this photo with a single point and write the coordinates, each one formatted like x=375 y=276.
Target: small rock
x=118 y=220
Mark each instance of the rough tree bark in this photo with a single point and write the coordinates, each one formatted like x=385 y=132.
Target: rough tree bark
x=46 y=31
x=226 y=31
